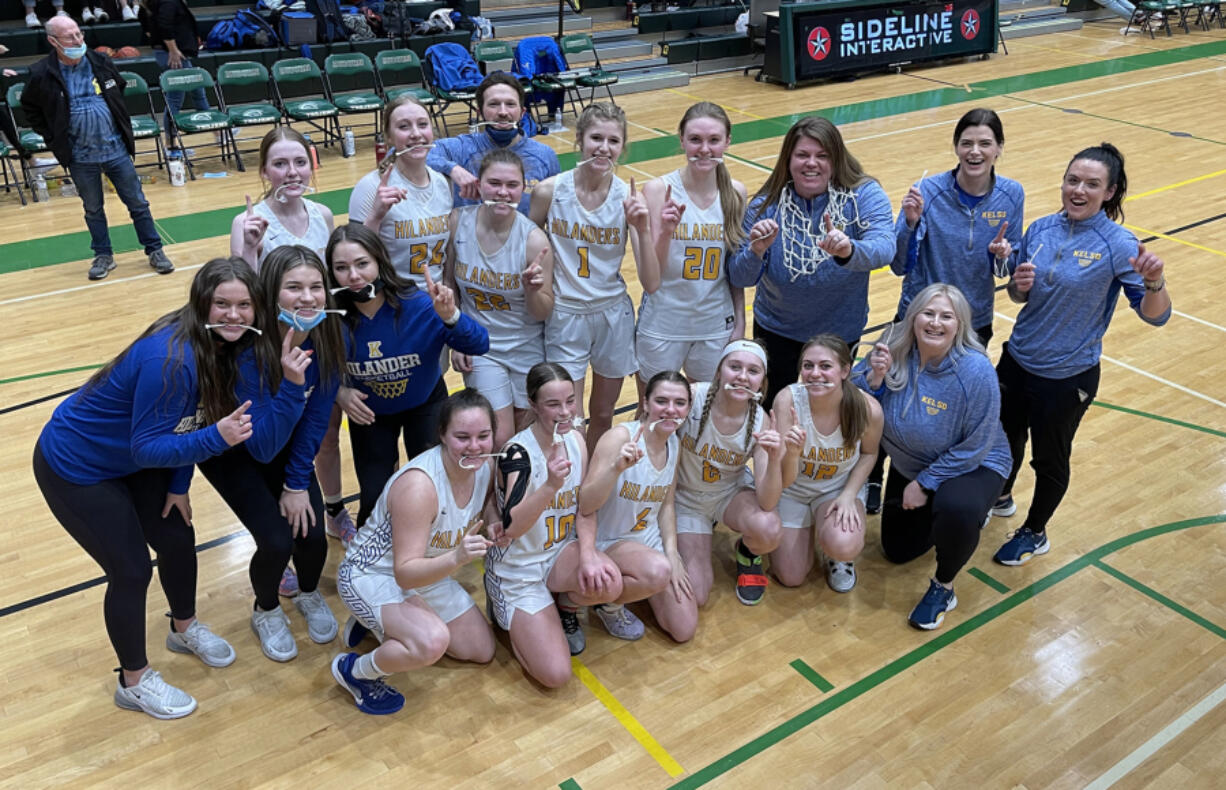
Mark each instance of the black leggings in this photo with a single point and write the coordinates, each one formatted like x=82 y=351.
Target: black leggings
x=116 y=522
x=783 y=356
x=253 y=492
x=374 y=446
x=950 y=520
x=1050 y=410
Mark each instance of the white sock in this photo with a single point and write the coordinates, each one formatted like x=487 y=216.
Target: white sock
x=365 y=668
x=333 y=499
x=610 y=607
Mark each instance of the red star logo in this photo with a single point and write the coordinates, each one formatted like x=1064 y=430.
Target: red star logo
x=970 y=24
x=819 y=43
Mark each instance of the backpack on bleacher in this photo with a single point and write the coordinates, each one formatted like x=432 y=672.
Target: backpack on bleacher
x=454 y=69
x=245 y=30
x=328 y=18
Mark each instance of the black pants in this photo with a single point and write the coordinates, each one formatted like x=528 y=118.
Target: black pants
x=374 y=446
x=950 y=520
x=783 y=356
x=1050 y=410
x=116 y=522
x=253 y=492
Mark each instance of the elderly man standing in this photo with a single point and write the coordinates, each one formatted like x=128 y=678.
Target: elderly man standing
x=74 y=99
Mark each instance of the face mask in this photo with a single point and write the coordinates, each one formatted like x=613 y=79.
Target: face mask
x=75 y=53
x=292 y=318
x=360 y=297
x=502 y=136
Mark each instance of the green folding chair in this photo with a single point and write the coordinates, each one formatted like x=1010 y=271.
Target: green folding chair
x=302 y=96
x=145 y=123
x=199 y=121
x=353 y=86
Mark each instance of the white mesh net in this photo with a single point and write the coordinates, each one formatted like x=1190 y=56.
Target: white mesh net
x=801 y=232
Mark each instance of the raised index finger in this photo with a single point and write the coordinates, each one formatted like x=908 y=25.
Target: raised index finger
x=632 y=192
x=639 y=434
x=1000 y=234
x=248 y=205
x=829 y=222
x=241 y=410
x=429 y=279
x=668 y=193
x=383 y=178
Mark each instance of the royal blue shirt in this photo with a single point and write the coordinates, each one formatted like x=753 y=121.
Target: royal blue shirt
x=950 y=242
x=1079 y=274
x=394 y=359
x=143 y=415
x=834 y=298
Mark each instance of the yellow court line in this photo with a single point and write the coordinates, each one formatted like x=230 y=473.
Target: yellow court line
x=1193 y=245
x=699 y=98
x=1159 y=190
x=623 y=716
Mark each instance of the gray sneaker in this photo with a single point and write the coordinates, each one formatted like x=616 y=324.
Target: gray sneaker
x=321 y=624
x=841 y=576
x=574 y=631
x=156 y=697
x=208 y=646
x=160 y=263
x=620 y=622
x=101 y=267
x=273 y=630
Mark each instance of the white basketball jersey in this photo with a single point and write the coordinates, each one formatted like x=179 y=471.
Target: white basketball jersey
x=824 y=463
x=556 y=525
x=490 y=286
x=277 y=235
x=634 y=503
x=712 y=463
x=693 y=301
x=371 y=550
x=415 y=229
x=588 y=246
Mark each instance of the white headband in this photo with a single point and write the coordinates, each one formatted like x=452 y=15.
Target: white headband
x=746 y=346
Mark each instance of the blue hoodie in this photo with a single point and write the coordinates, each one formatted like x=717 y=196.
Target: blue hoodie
x=1079 y=274
x=143 y=415
x=299 y=416
x=394 y=359
x=467 y=151
x=950 y=242
x=835 y=297
x=946 y=422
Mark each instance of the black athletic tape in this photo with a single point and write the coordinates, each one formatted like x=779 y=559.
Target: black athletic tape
x=514 y=458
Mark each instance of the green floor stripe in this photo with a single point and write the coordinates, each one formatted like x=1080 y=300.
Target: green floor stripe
x=1162 y=599
x=745 y=161
x=1172 y=421
x=942 y=640
x=570 y=784
x=988 y=580
x=48 y=251
x=810 y=674
x=46 y=373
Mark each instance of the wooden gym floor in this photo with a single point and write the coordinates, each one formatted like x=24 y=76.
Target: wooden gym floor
x=1101 y=663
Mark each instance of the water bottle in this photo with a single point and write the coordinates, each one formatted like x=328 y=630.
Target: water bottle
x=314 y=152
x=41 y=194
x=67 y=188
x=349 y=147
x=558 y=126
x=380 y=148
x=174 y=167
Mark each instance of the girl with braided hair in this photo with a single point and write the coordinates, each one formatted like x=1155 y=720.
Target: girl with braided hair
x=725 y=428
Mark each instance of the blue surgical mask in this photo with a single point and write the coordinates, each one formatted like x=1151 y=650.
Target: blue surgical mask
x=502 y=136
x=75 y=53
x=292 y=318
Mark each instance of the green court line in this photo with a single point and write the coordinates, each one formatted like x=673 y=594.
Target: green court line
x=1170 y=420
x=906 y=661
x=46 y=373
x=48 y=251
x=570 y=784
x=988 y=580
x=810 y=674
x=1162 y=599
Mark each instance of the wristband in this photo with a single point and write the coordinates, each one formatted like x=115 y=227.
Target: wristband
x=455 y=319
x=289 y=490
x=1155 y=287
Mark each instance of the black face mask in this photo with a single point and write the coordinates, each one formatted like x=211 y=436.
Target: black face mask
x=360 y=297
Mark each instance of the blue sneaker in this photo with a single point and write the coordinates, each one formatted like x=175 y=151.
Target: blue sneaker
x=1004 y=506
x=371 y=696
x=1021 y=546
x=929 y=613
x=354 y=632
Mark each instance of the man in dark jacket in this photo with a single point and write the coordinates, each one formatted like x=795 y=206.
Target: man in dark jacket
x=74 y=99
x=173 y=31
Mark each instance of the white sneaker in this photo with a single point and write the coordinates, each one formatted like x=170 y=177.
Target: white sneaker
x=101 y=15
x=208 y=646
x=156 y=697
x=841 y=576
x=129 y=14
x=273 y=630
x=321 y=624
x=619 y=621
x=32 y=20
x=87 y=14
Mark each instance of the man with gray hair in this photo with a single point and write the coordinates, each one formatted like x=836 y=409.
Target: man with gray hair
x=74 y=99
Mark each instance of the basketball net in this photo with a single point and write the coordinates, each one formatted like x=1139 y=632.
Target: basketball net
x=801 y=253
